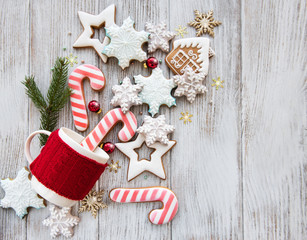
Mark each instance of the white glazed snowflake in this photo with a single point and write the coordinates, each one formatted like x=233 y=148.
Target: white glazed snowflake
x=19 y=194
x=155 y=130
x=189 y=84
x=159 y=37
x=156 y=90
x=126 y=95
x=61 y=221
x=126 y=43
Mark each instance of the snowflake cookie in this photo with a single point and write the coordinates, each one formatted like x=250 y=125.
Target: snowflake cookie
x=156 y=90
x=126 y=43
x=126 y=95
x=19 y=194
x=159 y=37
x=61 y=221
x=92 y=203
x=189 y=84
x=155 y=130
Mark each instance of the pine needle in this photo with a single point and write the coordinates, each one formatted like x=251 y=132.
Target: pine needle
x=57 y=96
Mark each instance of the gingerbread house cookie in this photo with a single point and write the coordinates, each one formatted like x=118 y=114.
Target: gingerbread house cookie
x=190 y=52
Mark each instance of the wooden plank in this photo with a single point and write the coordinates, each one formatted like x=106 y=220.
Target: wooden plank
x=51 y=24
x=274 y=117
x=14 y=65
x=206 y=163
x=130 y=221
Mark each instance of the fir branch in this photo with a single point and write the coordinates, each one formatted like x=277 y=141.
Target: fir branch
x=57 y=96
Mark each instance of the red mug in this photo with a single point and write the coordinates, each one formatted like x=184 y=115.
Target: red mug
x=64 y=172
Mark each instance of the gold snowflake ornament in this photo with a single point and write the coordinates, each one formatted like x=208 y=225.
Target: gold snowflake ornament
x=217 y=83
x=186 y=117
x=204 y=23
x=181 y=31
x=114 y=166
x=72 y=60
x=92 y=202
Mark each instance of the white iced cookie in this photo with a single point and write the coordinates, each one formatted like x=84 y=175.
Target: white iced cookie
x=126 y=95
x=155 y=130
x=89 y=21
x=19 y=194
x=189 y=84
x=156 y=90
x=159 y=37
x=61 y=221
x=125 y=43
x=153 y=165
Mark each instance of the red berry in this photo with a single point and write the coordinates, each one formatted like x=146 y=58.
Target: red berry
x=94 y=106
x=152 y=62
x=108 y=147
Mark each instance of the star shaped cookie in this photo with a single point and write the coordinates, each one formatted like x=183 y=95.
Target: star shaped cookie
x=189 y=84
x=126 y=43
x=61 y=221
x=159 y=37
x=156 y=90
x=19 y=194
x=126 y=95
x=154 y=165
x=155 y=130
x=89 y=21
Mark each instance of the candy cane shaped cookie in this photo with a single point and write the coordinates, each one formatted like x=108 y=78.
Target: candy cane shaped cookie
x=77 y=100
x=149 y=194
x=107 y=123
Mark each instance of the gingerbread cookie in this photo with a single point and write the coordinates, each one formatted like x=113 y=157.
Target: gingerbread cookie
x=126 y=43
x=137 y=166
x=149 y=194
x=105 y=18
x=189 y=52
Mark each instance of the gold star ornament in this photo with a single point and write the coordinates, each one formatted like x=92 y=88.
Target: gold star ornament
x=204 y=23
x=92 y=202
x=181 y=31
x=217 y=83
x=186 y=117
x=72 y=60
x=114 y=166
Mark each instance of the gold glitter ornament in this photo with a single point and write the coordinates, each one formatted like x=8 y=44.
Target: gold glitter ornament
x=72 y=60
x=114 y=166
x=217 y=83
x=92 y=202
x=204 y=23
x=181 y=31
x=186 y=117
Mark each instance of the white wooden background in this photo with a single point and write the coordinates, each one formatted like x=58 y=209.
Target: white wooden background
x=239 y=169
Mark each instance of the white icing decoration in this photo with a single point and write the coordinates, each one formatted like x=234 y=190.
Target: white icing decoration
x=156 y=90
x=155 y=130
x=106 y=17
x=126 y=43
x=61 y=221
x=19 y=194
x=159 y=37
x=126 y=95
x=204 y=51
x=189 y=84
x=136 y=166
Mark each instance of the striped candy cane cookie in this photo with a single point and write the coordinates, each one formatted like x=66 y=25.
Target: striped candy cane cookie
x=77 y=100
x=149 y=194
x=107 y=123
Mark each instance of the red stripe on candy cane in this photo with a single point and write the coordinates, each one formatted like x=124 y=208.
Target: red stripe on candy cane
x=162 y=194
x=97 y=82
x=105 y=125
